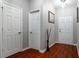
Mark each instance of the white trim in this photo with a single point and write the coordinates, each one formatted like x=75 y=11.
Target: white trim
x=67 y=43
x=77 y=49
x=78 y=52
x=42 y=51
x=29 y=29
x=34 y=9
x=25 y=48
x=51 y=45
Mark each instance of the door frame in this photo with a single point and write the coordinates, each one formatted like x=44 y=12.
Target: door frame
x=32 y=11
x=59 y=30
x=1 y=48
x=21 y=12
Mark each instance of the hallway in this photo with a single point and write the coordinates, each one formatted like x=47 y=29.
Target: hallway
x=56 y=51
x=27 y=27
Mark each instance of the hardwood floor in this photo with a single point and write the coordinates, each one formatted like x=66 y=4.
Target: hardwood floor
x=56 y=51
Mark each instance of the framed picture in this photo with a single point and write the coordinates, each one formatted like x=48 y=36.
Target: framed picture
x=51 y=17
x=77 y=15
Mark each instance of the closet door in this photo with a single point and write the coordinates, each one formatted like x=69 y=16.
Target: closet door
x=12 y=41
x=34 y=30
x=65 y=30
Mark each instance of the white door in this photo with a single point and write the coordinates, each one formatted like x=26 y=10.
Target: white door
x=12 y=41
x=34 y=30
x=65 y=29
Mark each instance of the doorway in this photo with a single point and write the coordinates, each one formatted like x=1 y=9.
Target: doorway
x=34 y=29
x=65 y=29
x=11 y=30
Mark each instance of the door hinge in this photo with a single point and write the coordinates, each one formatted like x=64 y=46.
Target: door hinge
x=2 y=8
x=2 y=29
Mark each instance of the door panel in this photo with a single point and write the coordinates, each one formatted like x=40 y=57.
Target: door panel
x=66 y=29
x=11 y=28
x=34 y=30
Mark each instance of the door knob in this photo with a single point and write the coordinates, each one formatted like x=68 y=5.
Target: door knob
x=59 y=30
x=30 y=32
x=19 y=32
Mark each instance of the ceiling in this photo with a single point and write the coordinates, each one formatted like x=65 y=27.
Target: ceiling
x=67 y=3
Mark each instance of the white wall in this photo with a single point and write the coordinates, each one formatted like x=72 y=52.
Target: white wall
x=35 y=4
x=47 y=5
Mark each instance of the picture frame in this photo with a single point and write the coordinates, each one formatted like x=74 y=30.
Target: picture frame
x=51 y=17
x=77 y=15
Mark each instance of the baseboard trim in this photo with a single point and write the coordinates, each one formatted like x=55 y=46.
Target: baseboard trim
x=78 y=53
x=42 y=51
x=25 y=48
x=67 y=43
x=51 y=45
x=77 y=49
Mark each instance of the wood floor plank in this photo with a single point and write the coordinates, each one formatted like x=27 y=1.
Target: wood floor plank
x=56 y=51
